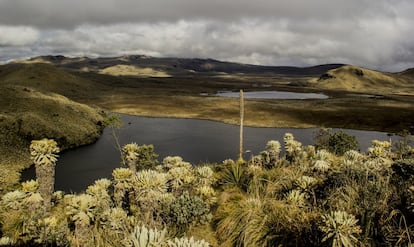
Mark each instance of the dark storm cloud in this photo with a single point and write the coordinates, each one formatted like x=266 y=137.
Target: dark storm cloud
x=376 y=34
x=67 y=14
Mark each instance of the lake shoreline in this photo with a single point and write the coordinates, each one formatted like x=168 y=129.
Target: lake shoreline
x=196 y=141
x=387 y=114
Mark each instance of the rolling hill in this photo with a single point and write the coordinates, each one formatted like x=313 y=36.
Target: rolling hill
x=33 y=107
x=408 y=74
x=179 y=66
x=356 y=79
x=47 y=78
x=55 y=73
x=27 y=114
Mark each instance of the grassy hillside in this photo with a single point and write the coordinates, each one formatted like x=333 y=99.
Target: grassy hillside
x=352 y=78
x=28 y=114
x=47 y=78
x=408 y=75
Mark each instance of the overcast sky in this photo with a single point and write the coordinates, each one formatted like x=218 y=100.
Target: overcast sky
x=377 y=34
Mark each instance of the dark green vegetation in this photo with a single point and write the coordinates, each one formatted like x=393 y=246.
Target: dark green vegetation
x=306 y=197
x=337 y=143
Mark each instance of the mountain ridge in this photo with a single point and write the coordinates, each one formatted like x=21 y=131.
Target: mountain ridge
x=179 y=66
x=327 y=76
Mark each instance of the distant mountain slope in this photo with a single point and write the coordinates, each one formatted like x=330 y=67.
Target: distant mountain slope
x=180 y=66
x=408 y=74
x=45 y=77
x=353 y=78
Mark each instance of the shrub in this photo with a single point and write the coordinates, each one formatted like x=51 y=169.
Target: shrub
x=147 y=158
x=185 y=211
x=341 y=142
x=321 y=138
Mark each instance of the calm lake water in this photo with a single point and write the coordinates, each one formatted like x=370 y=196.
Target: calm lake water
x=273 y=95
x=197 y=141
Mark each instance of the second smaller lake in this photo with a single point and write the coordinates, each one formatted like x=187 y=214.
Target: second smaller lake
x=273 y=95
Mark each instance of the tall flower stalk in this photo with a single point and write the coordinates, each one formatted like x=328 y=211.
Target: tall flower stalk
x=241 y=125
x=44 y=156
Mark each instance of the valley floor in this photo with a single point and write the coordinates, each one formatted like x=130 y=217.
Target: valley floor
x=388 y=114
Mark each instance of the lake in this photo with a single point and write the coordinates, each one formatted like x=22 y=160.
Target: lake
x=197 y=141
x=273 y=95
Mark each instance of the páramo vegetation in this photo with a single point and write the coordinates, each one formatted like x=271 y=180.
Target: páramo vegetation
x=328 y=194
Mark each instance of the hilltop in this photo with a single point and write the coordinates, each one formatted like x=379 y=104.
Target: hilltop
x=47 y=78
x=357 y=79
x=408 y=74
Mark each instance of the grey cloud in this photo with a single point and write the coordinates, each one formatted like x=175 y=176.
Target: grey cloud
x=69 y=14
x=17 y=35
x=375 y=34
x=272 y=42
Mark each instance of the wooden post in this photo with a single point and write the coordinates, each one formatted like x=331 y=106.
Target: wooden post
x=241 y=124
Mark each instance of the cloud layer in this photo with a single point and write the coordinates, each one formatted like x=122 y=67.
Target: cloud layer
x=375 y=34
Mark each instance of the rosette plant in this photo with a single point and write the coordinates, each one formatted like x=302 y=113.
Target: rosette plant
x=44 y=155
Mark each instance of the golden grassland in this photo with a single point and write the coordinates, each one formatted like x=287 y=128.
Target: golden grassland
x=359 y=98
x=385 y=114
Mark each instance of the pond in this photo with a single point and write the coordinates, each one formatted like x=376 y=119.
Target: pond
x=197 y=141
x=273 y=95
